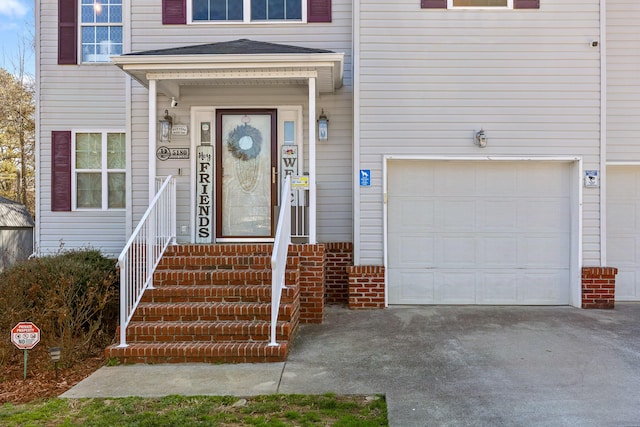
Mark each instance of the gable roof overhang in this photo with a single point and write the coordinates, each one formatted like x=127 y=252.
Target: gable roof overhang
x=238 y=62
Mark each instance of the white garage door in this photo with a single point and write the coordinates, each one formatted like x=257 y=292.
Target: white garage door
x=623 y=229
x=478 y=232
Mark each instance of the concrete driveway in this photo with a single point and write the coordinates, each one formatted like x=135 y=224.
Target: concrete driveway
x=437 y=366
x=479 y=366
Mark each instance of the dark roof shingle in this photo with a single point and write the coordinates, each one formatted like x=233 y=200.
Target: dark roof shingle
x=234 y=47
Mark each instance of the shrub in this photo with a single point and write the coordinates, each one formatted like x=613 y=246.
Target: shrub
x=72 y=297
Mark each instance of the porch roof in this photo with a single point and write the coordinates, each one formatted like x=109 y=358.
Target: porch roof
x=234 y=62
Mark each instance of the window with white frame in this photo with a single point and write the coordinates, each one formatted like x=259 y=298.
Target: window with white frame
x=248 y=10
x=481 y=3
x=101 y=29
x=99 y=177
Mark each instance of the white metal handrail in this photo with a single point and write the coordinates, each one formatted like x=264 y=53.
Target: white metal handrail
x=279 y=255
x=142 y=253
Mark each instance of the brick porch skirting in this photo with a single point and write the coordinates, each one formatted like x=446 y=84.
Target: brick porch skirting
x=598 y=287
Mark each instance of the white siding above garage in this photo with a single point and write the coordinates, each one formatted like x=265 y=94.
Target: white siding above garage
x=427 y=79
x=482 y=232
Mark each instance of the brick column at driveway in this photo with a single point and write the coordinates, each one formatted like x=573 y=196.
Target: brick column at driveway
x=366 y=287
x=598 y=287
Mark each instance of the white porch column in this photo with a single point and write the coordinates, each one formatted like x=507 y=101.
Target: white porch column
x=152 y=138
x=312 y=160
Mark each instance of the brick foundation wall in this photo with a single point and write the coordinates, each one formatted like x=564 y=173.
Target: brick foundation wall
x=312 y=268
x=339 y=256
x=598 y=287
x=366 y=287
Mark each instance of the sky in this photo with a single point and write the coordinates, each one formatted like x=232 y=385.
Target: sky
x=16 y=29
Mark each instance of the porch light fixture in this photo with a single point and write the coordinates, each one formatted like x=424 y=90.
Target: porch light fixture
x=55 y=353
x=481 y=139
x=323 y=126
x=165 y=127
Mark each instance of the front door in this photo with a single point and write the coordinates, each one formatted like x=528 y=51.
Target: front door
x=246 y=173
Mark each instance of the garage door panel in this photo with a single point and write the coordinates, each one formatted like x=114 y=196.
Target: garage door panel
x=624 y=250
x=499 y=251
x=544 y=180
x=458 y=252
x=401 y=208
x=544 y=251
x=623 y=216
x=412 y=287
x=545 y=288
x=623 y=229
x=417 y=251
x=498 y=288
x=457 y=215
x=543 y=215
x=498 y=215
x=626 y=289
x=455 y=287
x=498 y=232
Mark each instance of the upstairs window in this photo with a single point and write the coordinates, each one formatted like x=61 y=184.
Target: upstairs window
x=481 y=3
x=248 y=10
x=100 y=29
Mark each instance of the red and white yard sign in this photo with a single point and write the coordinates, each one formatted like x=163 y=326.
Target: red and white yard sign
x=25 y=335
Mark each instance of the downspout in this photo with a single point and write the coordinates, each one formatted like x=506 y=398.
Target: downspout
x=603 y=133
x=356 y=132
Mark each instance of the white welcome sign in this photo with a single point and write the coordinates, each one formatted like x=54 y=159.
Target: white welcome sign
x=204 y=195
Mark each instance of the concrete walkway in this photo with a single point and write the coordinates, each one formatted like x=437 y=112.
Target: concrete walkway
x=437 y=366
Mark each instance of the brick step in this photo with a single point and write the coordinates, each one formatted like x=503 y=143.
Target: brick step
x=199 y=352
x=218 y=277
x=202 y=311
x=215 y=262
x=220 y=293
x=206 y=331
x=232 y=249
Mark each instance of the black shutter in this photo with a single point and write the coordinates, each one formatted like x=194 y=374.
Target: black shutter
x=67 y=32
x=433 y=4
x=318 y=10
x=526 y=4
x=174 y=12
x=60 y=171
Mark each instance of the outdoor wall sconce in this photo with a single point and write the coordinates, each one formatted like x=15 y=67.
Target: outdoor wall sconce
x=323 y=126
x=165 y=127
x=55 y=353
x=481 y=139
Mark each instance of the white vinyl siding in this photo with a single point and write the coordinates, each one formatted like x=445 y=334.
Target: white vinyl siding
x=75 y=97
x=623 y=82
x=430 y=78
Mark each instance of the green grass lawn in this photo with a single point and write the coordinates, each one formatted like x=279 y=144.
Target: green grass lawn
x=271 y=410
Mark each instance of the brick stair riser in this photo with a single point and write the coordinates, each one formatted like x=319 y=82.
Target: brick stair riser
x=230 y=294
x=206 y=332
x=209 y=312
x=218 y=277
x=240 y=262
x=199 y=353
